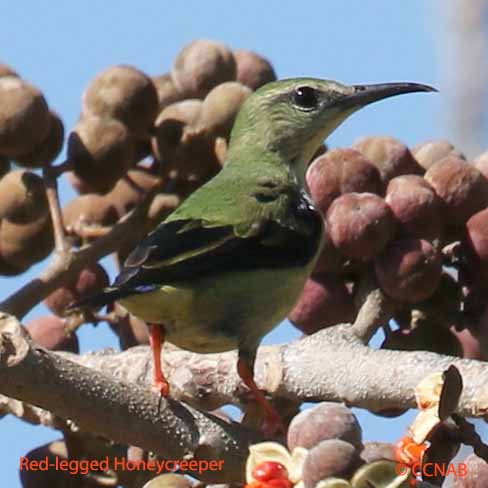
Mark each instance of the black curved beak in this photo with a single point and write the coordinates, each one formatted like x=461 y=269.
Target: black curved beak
x=365 y=94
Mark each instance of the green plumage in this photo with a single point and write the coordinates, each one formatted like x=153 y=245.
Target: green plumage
x=231 y=261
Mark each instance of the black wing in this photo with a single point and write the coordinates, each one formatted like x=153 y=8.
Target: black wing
x=181 y=249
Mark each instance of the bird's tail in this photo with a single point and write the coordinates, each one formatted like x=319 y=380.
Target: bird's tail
x=106 y=297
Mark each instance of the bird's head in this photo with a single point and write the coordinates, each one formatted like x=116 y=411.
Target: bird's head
x=292 y=117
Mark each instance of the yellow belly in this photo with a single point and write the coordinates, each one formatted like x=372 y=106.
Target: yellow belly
x=215 y=315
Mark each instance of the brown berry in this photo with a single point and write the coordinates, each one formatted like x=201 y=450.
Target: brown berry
x=200 y=66
x=376 y=451
x=330 y=259
x=416 y=206
x=22 y=197
x=330 y=458
x=409 y=270
x=481 y=164
x=325 y=301
x=477 y=239
x=461 y=187
x=89 y=281
x=340 y=171
x=220 y=107
x=24 y=116
x=167 y=92
x=48 y=149
x=327 y=420
x=123 y=93
x=101 y=151
x=253 y=70
x=389 y=155
x=360 y=224
x=50 y=332
x=429 y=152
x=131 y=330
x=470 y=344
x=90 y=209
x=16 y=242
x=476 y=475
x=188 y=155
x=172 y=124
x=6 y=70
x=131 y=188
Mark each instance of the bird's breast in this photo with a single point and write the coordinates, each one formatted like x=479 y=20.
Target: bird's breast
x=216 y=314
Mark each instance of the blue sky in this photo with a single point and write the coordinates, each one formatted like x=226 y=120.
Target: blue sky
x=60 y=46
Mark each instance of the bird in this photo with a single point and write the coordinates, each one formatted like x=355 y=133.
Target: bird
x=230 y=262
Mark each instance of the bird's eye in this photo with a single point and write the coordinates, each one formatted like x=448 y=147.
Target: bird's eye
x=305 y=97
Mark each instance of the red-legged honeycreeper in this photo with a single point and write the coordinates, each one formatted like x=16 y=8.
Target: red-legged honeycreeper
x=228 y=265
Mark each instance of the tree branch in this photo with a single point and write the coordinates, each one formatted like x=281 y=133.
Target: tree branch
x=122 y=412
x=65 y=265
x=332 y=364
x=375 y=308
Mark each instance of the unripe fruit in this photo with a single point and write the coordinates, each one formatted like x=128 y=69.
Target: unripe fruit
x=24 y=117
x=200 y=66
x=22 y=197
x=220 y=107
x=416 y=206
x=461 y=187
x=16 y=242
x=89 y=281
x=253 y=70
x=330 y=458
x=340 y=171
x=131 y=189
x=360 y=224
x=90 y=209
x=389 y=155
x=376 y=451
x=123 y=93
x=325 y=301
x=409 y=270
x=48 y=149
x=327 y=420
x=50 y=332
x=6 y=70
x=166 y=89
x=101 y=151
x=429 y=152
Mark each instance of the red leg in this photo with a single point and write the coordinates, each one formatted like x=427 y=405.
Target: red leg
x=156 y=338
x=272 y=420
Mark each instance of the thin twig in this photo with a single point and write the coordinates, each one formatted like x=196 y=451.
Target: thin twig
x=61 y=244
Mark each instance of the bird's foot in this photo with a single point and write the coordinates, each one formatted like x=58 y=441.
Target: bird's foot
x=161 y=387
x=272 y=424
